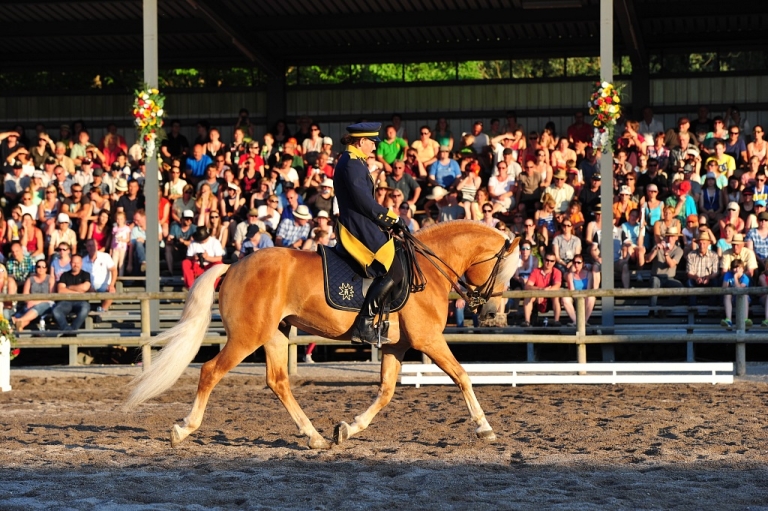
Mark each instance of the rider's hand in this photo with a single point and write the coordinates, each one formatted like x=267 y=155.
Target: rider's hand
x=400 y=226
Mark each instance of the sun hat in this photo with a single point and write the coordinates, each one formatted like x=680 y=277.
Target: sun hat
x=438 y=193
x=625 y=190
x=672 y=231
x=703 y=236
x=560 y=174
x=121 y=185
x=737 y=238
x=322 y=214
x=302 y=213
x=327 y=182
x=63 y=218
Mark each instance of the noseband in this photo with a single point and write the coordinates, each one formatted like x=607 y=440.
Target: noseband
x=476 y=296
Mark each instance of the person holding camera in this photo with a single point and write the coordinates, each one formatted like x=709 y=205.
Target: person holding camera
x=665 y=256
x=179 y=239
x=203 y=252
x=243 y=123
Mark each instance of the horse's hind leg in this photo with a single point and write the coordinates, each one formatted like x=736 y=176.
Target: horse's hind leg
x=392 y=356
x=441 y=355
x=276 y=351
x=211 y=373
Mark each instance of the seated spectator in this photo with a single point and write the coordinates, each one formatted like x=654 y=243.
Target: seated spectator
x=546 y=278
x=702 y=266
x=19 y=265
x=204 y=252
x=186 y=202
x=62 y=234
x=293 y=232
x=502 y=189
x=757 y=239
x=74 y=281
x=576 y=217
x=242 y=229
x=137 y=247
x=406 y=213
x=566 y=247
x=179 y=239
x=731 y=216
x=738 y=252
x=256 y=238
x=711 y=201
x=665 y=258
x=579 y=278
x=726 y=241
x=319 y=237
x=103 y=272
x=7 y=287
x=323 y=200
x=735 y=278
x=545 y=219
x=445 y=170
x=560 y=192
x=633 y=248
x=39 y=282
x=448 y=207
x=31 y=238
x=205 y=204
x=763 y=282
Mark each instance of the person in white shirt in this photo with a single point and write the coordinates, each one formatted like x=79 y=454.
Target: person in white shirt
x=650 y=126
x=204 y=252
x=103 y=272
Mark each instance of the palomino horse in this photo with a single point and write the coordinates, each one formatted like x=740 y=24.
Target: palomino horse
x=287 y=285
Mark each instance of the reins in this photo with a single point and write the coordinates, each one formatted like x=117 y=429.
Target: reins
x=474 y=297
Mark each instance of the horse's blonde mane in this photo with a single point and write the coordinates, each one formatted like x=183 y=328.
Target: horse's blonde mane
x=450 y=225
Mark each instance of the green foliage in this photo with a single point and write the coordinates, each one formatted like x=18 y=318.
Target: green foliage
x=538 y=68
x=743 y=61
x=430 y=72
x=376 y=73
x=484 y=70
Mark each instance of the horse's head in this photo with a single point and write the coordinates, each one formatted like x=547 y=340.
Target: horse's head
x=492 y=312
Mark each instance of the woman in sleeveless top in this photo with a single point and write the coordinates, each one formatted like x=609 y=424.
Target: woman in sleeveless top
x=545 y=219
x=31 y=238
x=260 y=194
x=49 y=209
x=61 y=261
x=758 y=147
x=579 y=279
x=100 y=230
x=38 y=282
x=215 y=147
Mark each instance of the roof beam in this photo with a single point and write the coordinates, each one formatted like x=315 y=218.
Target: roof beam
x=221 y=20
x=624 y=11
x=102 y=28
x=482 y=17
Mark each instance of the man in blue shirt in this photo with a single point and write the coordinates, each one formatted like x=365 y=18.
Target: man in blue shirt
x=197 y=163
x=445 y=170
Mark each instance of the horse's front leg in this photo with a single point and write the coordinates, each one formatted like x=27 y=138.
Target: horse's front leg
x=392 y=356
x=441 y=355
x=276 y=351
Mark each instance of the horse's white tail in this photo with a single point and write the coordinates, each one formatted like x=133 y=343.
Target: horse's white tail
x=182 y=341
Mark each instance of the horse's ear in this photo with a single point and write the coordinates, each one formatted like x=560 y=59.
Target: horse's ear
x=513 y=245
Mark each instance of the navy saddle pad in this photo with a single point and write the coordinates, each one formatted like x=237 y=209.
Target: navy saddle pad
x=346 y=284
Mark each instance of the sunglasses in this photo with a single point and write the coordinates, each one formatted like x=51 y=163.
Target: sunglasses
x=62 y=250
x=529 y=225
x=578 y=262
x=50 y=191
x=549 y=260
x=525 y=248
x=425 y=133
x=567 y=225
x=214 y=216
x=41 y=267
x=734 y=132
x=272 y=201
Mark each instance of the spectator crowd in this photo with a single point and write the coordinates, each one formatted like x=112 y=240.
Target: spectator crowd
x=689 y=202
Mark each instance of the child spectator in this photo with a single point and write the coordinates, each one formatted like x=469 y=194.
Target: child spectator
x=734 y=279
x=121 y=237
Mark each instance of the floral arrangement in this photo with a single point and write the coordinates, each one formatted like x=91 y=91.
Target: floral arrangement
x=6 y=334
x=148 y=116
x=604 y=105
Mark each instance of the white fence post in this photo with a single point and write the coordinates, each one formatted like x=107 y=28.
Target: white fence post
x=5 y=364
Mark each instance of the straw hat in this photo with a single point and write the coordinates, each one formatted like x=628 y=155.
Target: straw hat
x=302 y=213
x=673 y=231
x=438 y=193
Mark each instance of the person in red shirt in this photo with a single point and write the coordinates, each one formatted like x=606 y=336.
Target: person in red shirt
x=580 y=133
x=547 y=277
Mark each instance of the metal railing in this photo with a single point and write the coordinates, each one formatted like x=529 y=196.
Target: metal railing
x=737 y=336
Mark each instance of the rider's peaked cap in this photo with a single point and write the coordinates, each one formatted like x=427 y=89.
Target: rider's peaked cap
x=365 y=130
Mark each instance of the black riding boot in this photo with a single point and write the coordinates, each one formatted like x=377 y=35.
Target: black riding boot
x=363 y=330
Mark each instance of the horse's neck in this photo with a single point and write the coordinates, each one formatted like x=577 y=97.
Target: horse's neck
x=460 y=248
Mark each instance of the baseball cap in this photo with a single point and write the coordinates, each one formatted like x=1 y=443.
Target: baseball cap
x=50 y=160
x=763 y=216
x=188 y=213
x=760 y=203
x=328 y=140
x=98 y=172
x=733 y=206
x=625 y=190
x=597 y=177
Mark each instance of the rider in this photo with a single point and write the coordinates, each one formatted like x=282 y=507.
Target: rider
x=364 y=227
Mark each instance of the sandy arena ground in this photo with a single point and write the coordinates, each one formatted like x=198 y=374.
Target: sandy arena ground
x=65 y=444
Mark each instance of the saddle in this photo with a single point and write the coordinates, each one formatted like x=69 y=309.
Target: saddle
x=346 y=284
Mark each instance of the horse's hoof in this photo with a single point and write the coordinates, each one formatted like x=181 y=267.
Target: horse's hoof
x=341 y=433
x=487 y=436
x=176 y=436
x=318 y=443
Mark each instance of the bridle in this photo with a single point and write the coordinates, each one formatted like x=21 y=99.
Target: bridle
x=476 y=296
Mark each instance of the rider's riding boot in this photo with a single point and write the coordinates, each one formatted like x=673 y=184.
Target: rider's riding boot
x=363 y=329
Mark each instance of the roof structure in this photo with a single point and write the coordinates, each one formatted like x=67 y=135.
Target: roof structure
x=271 y=34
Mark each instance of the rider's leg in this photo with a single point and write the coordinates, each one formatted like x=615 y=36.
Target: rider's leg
x=376 y=297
